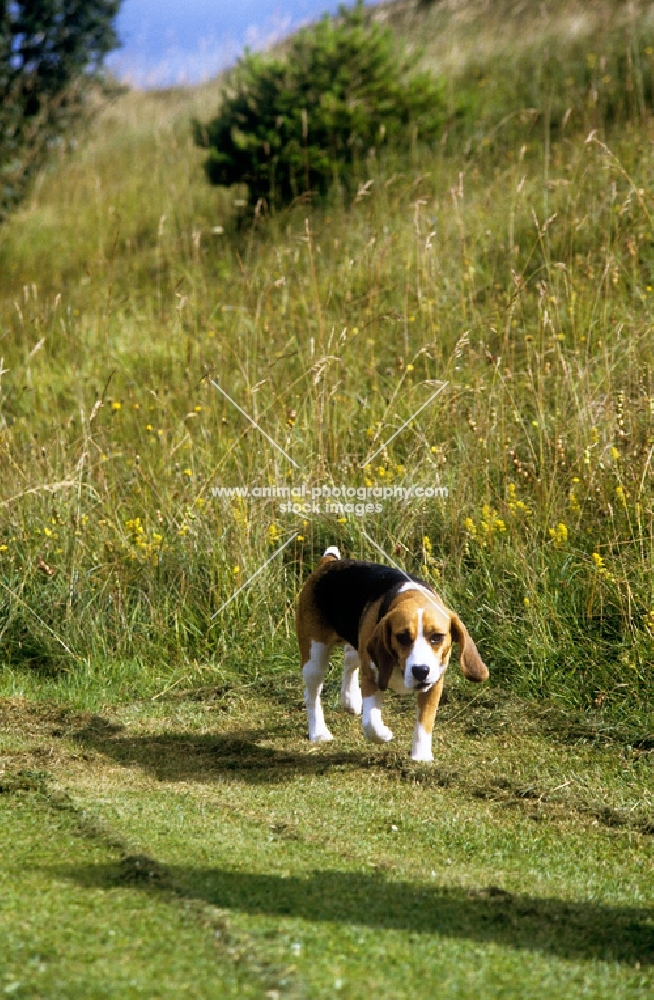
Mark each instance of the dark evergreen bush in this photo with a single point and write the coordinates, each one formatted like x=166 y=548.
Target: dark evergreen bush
x=301 y=121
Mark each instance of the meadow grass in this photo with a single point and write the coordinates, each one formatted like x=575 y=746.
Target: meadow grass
x=525 y=285
x=515 y=262
x=198 y=844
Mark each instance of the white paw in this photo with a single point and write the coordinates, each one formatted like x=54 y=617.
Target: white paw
x=352 y=702
x=322 y=736
x=425 y=757
x=381 y=735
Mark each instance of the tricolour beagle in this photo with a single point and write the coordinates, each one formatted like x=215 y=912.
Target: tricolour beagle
x=395 y=628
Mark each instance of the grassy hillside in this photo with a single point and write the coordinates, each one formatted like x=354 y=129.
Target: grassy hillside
x=515 y=262
x=166 y=829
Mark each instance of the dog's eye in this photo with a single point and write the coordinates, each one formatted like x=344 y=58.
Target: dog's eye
x=404 y=638
x=435 y=638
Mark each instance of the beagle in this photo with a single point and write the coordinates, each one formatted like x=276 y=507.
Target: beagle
x=395 y=628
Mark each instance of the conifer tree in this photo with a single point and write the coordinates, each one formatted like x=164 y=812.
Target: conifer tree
x=300 y=122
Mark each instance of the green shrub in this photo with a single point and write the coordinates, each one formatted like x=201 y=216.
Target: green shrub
x=299 y=123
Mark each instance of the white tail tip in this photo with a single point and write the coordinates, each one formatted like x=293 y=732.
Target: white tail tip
x=332 y=551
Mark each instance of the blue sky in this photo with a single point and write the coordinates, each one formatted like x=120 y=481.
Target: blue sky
x=168 y=42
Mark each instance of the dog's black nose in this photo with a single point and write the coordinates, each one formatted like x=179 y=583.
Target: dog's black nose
x=420 y=673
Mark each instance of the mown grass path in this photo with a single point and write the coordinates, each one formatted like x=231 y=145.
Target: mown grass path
x=199 y=846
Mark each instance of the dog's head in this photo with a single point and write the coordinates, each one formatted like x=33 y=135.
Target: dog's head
x=416 y=636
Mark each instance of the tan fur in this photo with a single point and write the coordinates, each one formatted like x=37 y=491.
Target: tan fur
x=428 y=702
x=388 y=643
x=382 y=647
x=472 y=665
x=308 y=622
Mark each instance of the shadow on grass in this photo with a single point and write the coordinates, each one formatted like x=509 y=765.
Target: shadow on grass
x=212 y=756
x=239 y=756
x=570 y=930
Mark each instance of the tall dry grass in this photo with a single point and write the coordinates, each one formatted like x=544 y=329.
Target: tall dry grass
x=515 y=263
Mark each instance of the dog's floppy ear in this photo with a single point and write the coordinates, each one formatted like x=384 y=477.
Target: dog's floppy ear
x=472 y=665
x=380 y=652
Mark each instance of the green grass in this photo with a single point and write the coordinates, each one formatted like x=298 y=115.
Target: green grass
x=65 y=938
x=522 y=857
x=543 y=435
x=140 y=721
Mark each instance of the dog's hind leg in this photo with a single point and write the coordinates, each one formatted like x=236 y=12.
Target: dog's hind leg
x=313 y=672
x=351 y=699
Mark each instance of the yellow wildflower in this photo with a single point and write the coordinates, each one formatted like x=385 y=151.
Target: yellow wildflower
x=240 y=513
x=559 y=535
x=601 y=569
x=490 y=522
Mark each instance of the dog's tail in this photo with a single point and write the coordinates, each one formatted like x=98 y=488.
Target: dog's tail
x=331 y=551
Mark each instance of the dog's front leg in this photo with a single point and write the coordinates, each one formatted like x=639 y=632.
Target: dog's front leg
x=373 y=726
x=350 y=690
x=313 y=672
x=422 y=734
